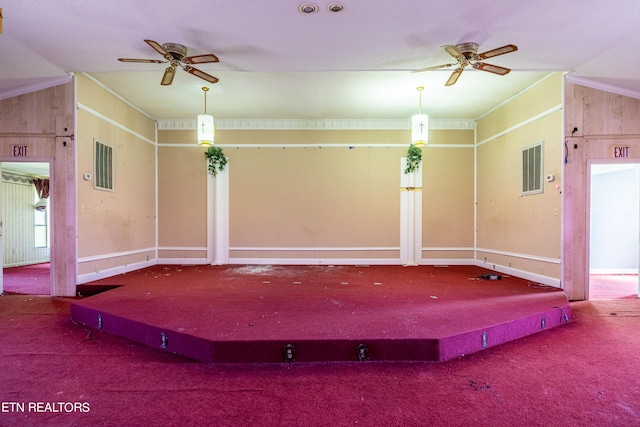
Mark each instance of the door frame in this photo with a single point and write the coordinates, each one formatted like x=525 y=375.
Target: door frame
x=50 y=205
x=590 y=163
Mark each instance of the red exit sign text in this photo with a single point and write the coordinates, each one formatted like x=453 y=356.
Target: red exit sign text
x=620 y=151
x=20 y=151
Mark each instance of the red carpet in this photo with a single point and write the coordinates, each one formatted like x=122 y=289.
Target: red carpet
x=583 y=374
x=28 y=279
x=250 y=313
x=613 y=286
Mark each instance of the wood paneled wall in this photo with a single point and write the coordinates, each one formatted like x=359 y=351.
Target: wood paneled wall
x=19 y=222
x=594 y=122
x=43 y=121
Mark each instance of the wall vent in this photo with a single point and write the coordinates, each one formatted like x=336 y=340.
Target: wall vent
x=103 y=166
x=532 y=169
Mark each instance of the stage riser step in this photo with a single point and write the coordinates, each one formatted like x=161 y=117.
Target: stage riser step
x=322 y=350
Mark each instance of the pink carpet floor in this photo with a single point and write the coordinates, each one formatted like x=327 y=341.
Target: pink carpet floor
x=28 y=280
x=613 y=286
x=583 y=374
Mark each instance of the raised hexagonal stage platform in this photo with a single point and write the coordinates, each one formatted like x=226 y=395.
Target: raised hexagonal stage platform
x=262 y=314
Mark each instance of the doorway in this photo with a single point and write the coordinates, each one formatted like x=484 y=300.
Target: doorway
x=26 y=223
x=614 y=230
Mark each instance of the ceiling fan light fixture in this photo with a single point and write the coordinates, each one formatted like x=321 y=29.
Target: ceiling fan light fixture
x=468 y=49
x=206 y=129
x=467 y=54
x=308 y=8
x=176 y=56
x=176 y=50
x=420 y=125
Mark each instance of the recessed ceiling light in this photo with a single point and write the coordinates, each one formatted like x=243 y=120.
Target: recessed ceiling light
x=308 y=8
x=335 y=7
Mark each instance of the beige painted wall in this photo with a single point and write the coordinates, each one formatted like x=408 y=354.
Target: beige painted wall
x=182 y=197
x=116 y=229
x=521 y=233
x=517 y=233
x=315 y=197
x=602 y=120
x=41 y=121
x=310 y=194
x=447 y=201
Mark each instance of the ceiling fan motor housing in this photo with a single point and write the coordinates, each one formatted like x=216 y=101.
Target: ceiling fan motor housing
x=176 y=50
x=469 y=50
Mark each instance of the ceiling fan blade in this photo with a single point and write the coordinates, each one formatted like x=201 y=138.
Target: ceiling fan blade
x=451 y=50
x=454 y=76
x=168 y=76
x=498 y=51
x=158 y=47
x=150 y=61
x=437 y=67
x=201 y=59
x=200 y=74
x=491 y=68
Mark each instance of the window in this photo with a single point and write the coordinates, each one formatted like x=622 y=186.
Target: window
x=41 y=223
x=532 y=169
x=103 y=170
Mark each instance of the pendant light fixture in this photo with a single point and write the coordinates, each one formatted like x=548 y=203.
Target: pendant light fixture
x=420 y=125
x=206 y=131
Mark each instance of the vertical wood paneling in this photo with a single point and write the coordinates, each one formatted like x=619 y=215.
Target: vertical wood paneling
x=18 y=218
x=601 y=115
x=34 y=120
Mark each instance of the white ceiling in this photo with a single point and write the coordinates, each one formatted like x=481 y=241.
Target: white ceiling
x=27 y=168
x=276 y=63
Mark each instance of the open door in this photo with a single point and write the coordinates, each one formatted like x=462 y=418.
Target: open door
x=1 y=240
x=614 y=230
x=25 y=229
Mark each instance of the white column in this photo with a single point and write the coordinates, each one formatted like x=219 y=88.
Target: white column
x=218 y=217
x=410 y=215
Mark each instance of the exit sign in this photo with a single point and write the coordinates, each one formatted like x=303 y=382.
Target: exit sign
x=620 y=151
x=20 y=151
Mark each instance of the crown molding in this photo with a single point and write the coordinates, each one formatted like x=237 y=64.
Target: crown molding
x=452 y=124
x=18 y=178
x=40 y=85
x=594 y=84
x=320 y=124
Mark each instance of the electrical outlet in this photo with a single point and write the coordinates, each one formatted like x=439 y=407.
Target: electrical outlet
x=164 y=340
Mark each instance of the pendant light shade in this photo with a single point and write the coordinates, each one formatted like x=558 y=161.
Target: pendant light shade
x=420 y=125
x=41 y=205
x=206 y=129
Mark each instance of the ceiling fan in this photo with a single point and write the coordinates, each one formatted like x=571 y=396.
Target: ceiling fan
x=176 y=55
x=467 y=54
